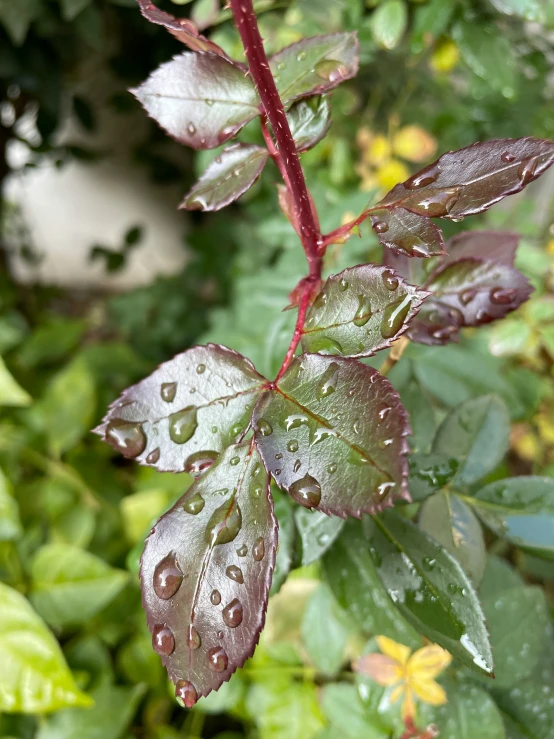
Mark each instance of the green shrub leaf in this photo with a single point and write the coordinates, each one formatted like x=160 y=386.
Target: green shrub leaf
x=317 y=533
x=309 y=121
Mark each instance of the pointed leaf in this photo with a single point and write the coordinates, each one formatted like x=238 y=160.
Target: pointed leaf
x=430 y=588
x=436 y=324
x=182 y=28
x=287 y=539
x=317 y=533
x=477 y=434
x=206 y=572
x=34 y=677
x=186 y=412
x=429 y=473
x=315 y=65
x=309 y=121
x=11 y=393
x=360 y=311
x=468 y=181
x=332 y=434
x=202 y=100
x=497 y=246
x=408 y=233
x=231 y=174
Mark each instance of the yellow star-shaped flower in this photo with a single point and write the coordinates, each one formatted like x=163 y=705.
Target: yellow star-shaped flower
x=412 y=675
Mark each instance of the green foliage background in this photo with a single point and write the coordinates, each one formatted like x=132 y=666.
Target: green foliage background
x=73 y=516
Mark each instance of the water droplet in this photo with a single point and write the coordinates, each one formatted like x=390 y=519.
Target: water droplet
x=186 y=693
x=194 y=505
x=294 y=421
x=258 y=550
x=281 y=66
x=527 y=170
x=125 y=436
x=232 y=613
x=168 y=390
x=425 y=177
x=167 y=577
x=343 y=285
x=297 y=465
x=328 y=382
x=390 y=280
x=429 y=563
x=440 y=202
x=234 y=461
x=217 y=659
x=220 y=635
x=234 y=573
x=301 y=56
x=183 y=424
x=331 y=70
x=277 y=472
x=384 y=489
x=380 y=227
x=332 y=468
x=199 y=462
x=306 y=491
x=209 y=102
x=242 y=551
x=326 y=345
x=193 y=638
x=215 y=597
x=384 y=443
x=394 y=316
x=153 y=457
x=163 y=640
x=224 y=524
x=363 y=314
x=200 y=369
x=467 y=296
x=292 y=445
x=264 y=427
x=507 y=157
x=503 y=295
x=356 y=426
x=191 y=128
x=321 y=434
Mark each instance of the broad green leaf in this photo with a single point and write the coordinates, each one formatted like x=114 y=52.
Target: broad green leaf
x=186 y=412
x=317 y=533
x=34 y=676
x=389 y=22
x=429 y=473
x=231 y=174
x=324 y=631
x=422 y=415
x=227 y=698
x=498 y=577
x=477 y=434
x=431 y=19
x=353 y=418
x=408 y=233
x=347 y=714
x=70 y=585
x=350 y=571
x=285 y=707
x=489 y=55
x=202 y=100
x=360 y=311
x=206 y=572
x=141 y=510
x=10 y=525
x=450 y=522
x=287 y=536
x=11 y=393
x=309 y=121
x=430 y=588
x=314 y=65
x=138 y=662
x=520 y=509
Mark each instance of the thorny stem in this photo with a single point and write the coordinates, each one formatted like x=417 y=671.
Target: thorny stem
x=286 y=157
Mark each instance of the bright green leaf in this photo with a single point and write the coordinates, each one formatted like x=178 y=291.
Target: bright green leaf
x=309 y=121
x=389 y=22
x=10 y=525
x=11 y=393
x=324 y=631
x=317 y=533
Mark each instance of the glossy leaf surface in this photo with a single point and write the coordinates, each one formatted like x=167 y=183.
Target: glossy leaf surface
x=429 y=473
x=496 y=246
x=332 y=434
x=231 y=174
x=470 y=180
x=408 y=233
x=360 y=311
x=186 y=412
x=202 y=100
x=317 y=533
x=309 y=121
x=314 y=65
x=206 y=572
x=430 y=588
x=287 y=539
x=477 y=434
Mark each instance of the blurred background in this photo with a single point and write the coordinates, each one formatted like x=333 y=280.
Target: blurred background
x=101 y=278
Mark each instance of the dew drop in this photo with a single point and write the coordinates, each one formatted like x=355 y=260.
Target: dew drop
x=390 y=280
x=235 y=573
x=224 y=524
x=503 y=296
x=200 y=369
x=199 y=462
x=186 y=693
x=168 y=391
x=507 y=157
x=167 y=577
x=278 y=455
x=194 y=505
x=297 y=465
x=232 y=613
x=234 y=461
x=527 y=170
x=384 y=412
x=183 y=424
x=163 y=640
x=332 y=468
x=380 y=227
x=425 y=177
x=209 y=102
x=242 y=551
x=343 y=285
x=294 y=421
x=125 y=436
x=394 y=316
x=153 y=457
x=217 y=659
x=258 y=550
x=363 y=314
x=264 y=427
x=306 y=492
x=328 y=382
x=331 y=70
x=440 y=202
x=326 y=345
x=215 y=597
x=193 y=637
x=281 y=66
x=384 y=489
x=301 y=56
x=467 y=296
x=191 y=128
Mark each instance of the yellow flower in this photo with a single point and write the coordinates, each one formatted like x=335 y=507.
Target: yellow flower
x=445 y=56
x=391 y=173
x=412 y=675
x=414 y=144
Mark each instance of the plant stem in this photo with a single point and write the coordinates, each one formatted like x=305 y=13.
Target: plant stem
x=397 y=350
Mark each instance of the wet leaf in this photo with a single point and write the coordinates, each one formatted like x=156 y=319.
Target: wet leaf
x=421 y=414
x=34 y=677
x=186 y=412
x=287 y=539
x=206 y=572
x=470 y=180
x=317 y=533
x=451 y=523
x=477 y=434
x=430 y=588
x=309 y=121
x=283 y=707
x=360 y=311
x=202 y=100
x=429 y=473
x=315 y=65
x=348 y=716
x=332 y=434
x=231 y=174
x=408 y=233
x=324 y=631
x=495 y=246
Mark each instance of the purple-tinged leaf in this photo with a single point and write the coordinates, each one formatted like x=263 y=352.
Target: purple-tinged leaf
x=360 y=311
x=436 y=324
x=497 y=246
x=227 y=177
x=206 y=572
x=408 y=233
x=332 y=434
x=202 y=100
x=187 y=412
x=182 y=28
x=468 y=181
x=315 y=65
x=309 y=121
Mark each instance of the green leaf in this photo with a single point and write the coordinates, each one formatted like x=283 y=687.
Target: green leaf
x=230 y=175
x=10 y=525
x=422 y=415
x=353 y=418
x=430 y=588
x=520 y=509
x=72 y=8
x=408 y=233
x=17 y=17
x=347 y=714
x=488 y=54
x=350 y=571
x=282 y=707
x=309 y=121
x=451 y=523
x=429 y=473
x=287 y=536
x=389 y=23
x=34 y=676
x=360 y=311
x=498 y=577
x=202 y=100
x=69 y=585
x=431 y=20
x=51 y=342
x=317 y=533
x=476 y=433
x=314 y=65
x=324 y=631
x=530 y=10
x=11 y=393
